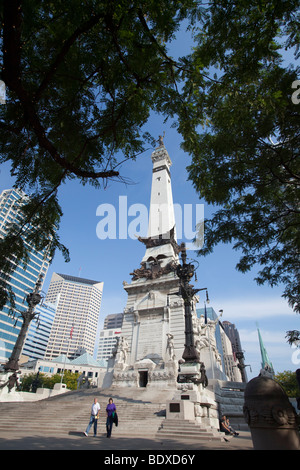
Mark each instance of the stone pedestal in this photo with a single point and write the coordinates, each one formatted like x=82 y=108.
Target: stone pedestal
x=180 y=409
x=195 y=403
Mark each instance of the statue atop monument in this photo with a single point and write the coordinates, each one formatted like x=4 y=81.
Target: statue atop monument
x=161 y=140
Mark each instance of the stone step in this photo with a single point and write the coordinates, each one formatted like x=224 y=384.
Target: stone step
x=125 y=413
x=101 y=429
x=172 y=429
x=70 y=412
x=77 y=413
x=183 y=426
x=76 y=424
x=185 y=432
x=187 y=436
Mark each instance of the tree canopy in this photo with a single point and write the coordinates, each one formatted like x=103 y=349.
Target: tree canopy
x=288 y=381
x=83 y=76
x=239 y=118
x=46 y=381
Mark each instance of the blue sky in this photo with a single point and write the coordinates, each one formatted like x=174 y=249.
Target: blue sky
x=243 y=302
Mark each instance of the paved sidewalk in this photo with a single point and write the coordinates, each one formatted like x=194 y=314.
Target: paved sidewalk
x=77 y=441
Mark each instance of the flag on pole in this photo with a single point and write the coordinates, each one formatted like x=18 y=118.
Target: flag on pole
x=71 y=332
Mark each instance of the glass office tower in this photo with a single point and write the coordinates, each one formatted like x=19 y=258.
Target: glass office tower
x=23 y=279
x=39 y=331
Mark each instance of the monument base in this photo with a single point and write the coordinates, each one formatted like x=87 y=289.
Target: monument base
x=146 y=373
x=194 y=403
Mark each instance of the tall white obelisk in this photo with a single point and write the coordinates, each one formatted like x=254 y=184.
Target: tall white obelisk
x=161 y=217
x=153 y=324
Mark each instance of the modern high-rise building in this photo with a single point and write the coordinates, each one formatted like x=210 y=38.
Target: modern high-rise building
x=233 y=334
x=107 y=343
x=23 y=279
x=109 y=335
x=209 y=313
x=39 y=331
x=76 y=319
x=231 y=364
x=114 y=320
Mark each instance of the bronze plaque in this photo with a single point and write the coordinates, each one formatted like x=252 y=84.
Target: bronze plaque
x=174 y=407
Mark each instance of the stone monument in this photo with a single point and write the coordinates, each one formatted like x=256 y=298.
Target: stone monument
x=162 y=338
x=153 y=324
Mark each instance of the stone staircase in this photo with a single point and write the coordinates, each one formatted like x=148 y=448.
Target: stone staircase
x=70 y=413
x=172 y=429
x=141 y=413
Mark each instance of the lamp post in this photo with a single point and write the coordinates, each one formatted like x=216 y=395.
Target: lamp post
x=32 y=299
x=191 y=368
x=241 y=365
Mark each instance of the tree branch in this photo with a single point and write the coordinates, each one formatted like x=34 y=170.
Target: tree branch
x=64 y=50
x=12 y=77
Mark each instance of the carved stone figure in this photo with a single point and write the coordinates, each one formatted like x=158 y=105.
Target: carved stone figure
x=152 y=270
x=170 y=346
x=162 y=239
x=83 y=382
x=122 y=350
x=203 y=340
x=12 y=382
x=212 y=332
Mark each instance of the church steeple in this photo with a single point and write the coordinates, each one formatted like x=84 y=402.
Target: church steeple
x=266 y=364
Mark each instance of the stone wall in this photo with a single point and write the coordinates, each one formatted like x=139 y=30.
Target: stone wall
x=230 y=399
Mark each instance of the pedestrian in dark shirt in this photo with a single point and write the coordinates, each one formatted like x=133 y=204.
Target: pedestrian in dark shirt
x=110 y=413
x=227 y=428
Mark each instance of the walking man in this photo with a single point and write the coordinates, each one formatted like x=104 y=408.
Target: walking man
x=94 y=418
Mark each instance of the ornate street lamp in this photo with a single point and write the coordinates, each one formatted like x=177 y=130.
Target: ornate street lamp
x=241 y=365
x=32 y=299
x=191 y=368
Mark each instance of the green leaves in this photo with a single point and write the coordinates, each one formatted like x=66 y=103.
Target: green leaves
x=88 y=76
x=81 y=79
x=245 y=159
